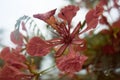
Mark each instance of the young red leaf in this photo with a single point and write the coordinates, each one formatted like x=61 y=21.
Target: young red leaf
x=8 y=73
x=49 y=18
x=5 y=53
x=17 y=37
x=11 y=73
x=45 y=16
x=38 y=47
x=91 y=20
x=68 y=12
x=71 y=62
x=13 y=58
x=98 y=10
x=92 y=17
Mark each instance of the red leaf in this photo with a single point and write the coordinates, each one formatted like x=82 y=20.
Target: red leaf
x=92 y=24
x=92 y=17
x=17 y=37
x=11 y=73
x=98 y=11
x=89 y=16
x=45 y=16
x=70 y=63
x=49 y=18
x=13 y=57
x=5 y=53
x=38 y=47
x=91 y=20
x=8 y=72
x=68 y=12
x=14 y=66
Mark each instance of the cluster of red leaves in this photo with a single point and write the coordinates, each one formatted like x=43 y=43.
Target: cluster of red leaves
x=63 y=42
x=72 y=62
x=68 y=55
x=14 y=67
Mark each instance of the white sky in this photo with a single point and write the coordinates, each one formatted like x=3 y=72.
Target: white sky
x=11 y=10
